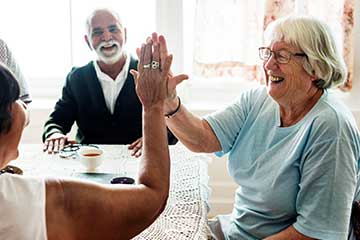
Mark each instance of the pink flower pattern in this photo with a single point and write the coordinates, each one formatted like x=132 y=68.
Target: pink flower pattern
x=273 y=10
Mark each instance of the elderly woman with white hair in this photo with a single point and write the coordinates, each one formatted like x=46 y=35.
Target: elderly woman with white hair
x=293 y=146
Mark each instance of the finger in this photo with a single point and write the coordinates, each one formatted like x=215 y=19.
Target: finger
x=45 y=147
x=50 y=146
x=138 y=52
x=138 y=153
x=154 y=37
x=134 y=151
x=156 y=54
x=167 y=64
x=139 y=144
x=163 y=50
x=179 y=78
x=135 y=74
x=141 y=59
x=148 y=49
x=56 y=146
x=62 y=143
x=133 y=144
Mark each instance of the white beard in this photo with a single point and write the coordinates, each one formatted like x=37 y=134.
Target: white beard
x=109 y=57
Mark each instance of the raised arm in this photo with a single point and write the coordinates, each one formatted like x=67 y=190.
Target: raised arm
x=76 y=210
x=195 y=133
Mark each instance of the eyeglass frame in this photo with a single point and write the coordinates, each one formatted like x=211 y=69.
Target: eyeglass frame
x=71 y=149
x=275 y=54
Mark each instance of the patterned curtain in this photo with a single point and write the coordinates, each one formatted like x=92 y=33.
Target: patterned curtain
x=229 y=32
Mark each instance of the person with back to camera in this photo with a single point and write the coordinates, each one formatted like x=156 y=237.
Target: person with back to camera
x=8 y=59
x=36 y=208
x=100 y=96
x=293 y=146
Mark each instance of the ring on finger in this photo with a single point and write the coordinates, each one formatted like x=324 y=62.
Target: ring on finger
x=146 y=65
x=155 y=65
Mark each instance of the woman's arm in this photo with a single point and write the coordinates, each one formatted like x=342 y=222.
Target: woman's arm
x=78 y=210
x=195 y=133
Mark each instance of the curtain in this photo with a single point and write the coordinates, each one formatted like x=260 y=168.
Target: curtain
x=229 y=32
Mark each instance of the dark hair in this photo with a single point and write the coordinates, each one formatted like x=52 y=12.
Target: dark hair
x=9 y=93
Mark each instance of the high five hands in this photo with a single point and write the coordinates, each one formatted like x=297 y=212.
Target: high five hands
x=154 y=67
x=160 y=52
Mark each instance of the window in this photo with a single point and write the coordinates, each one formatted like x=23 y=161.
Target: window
x=227 y=19
x=47 y=37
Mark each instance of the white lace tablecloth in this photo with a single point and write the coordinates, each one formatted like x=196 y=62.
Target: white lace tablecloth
x=185 y=215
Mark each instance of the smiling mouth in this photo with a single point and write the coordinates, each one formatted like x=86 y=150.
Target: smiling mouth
x=108 y=47
x=275 y=79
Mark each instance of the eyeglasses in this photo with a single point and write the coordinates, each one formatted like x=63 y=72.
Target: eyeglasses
x=281 y=56
x=70 y=150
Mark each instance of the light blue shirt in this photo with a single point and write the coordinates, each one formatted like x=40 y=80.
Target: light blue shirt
x=304 y=175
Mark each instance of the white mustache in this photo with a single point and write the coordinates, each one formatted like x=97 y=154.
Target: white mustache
x=108 y=44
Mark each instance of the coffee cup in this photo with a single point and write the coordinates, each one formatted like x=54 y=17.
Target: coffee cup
x=90 y=157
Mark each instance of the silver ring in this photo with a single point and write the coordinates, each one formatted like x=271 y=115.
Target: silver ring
x=146 y=65
x=155 y=65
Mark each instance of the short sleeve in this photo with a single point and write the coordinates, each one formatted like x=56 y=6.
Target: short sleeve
x=227 y=123
x=327 y=188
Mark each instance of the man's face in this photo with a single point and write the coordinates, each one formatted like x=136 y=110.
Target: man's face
x=107 y=37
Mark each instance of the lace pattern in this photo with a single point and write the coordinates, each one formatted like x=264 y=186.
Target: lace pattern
x=185 y=214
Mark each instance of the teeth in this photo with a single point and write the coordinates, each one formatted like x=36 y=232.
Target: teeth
x=275 y=79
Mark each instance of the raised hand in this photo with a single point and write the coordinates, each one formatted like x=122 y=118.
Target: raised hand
x=172 y=81
x=151 y=80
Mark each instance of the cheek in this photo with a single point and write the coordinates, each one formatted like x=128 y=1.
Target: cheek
x=119 y=38
x=95 y=42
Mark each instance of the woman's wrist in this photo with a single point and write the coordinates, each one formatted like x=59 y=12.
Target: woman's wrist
x=173 y=108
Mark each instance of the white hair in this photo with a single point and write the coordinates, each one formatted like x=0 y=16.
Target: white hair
x=96 y=11
x=315 y=39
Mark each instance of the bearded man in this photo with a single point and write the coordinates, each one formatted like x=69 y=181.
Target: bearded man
x=100 y=96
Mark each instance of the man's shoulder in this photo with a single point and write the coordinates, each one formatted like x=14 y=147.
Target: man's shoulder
x=88 y=67
x=79 y=72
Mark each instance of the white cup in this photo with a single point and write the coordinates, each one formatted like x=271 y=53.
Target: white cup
x=90 y=157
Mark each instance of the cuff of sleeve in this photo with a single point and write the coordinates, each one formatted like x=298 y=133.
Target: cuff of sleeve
x=318 y=233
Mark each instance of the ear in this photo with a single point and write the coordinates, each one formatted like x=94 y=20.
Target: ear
x=313 y=77
x=125 y=35
x=88 y=42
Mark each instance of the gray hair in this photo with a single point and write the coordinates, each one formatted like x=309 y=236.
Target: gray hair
x=315 y=39
x=96 y=11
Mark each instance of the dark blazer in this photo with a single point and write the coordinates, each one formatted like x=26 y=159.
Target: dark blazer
x=83 y=102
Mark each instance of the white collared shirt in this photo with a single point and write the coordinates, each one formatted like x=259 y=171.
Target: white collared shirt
x=111 y=88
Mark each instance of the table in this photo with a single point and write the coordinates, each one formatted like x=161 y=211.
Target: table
x=185 y=214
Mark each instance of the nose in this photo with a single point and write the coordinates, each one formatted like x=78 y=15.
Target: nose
x=270 y=63
x=107 y=36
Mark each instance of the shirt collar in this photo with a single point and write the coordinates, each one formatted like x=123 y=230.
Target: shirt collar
x=120 y=77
